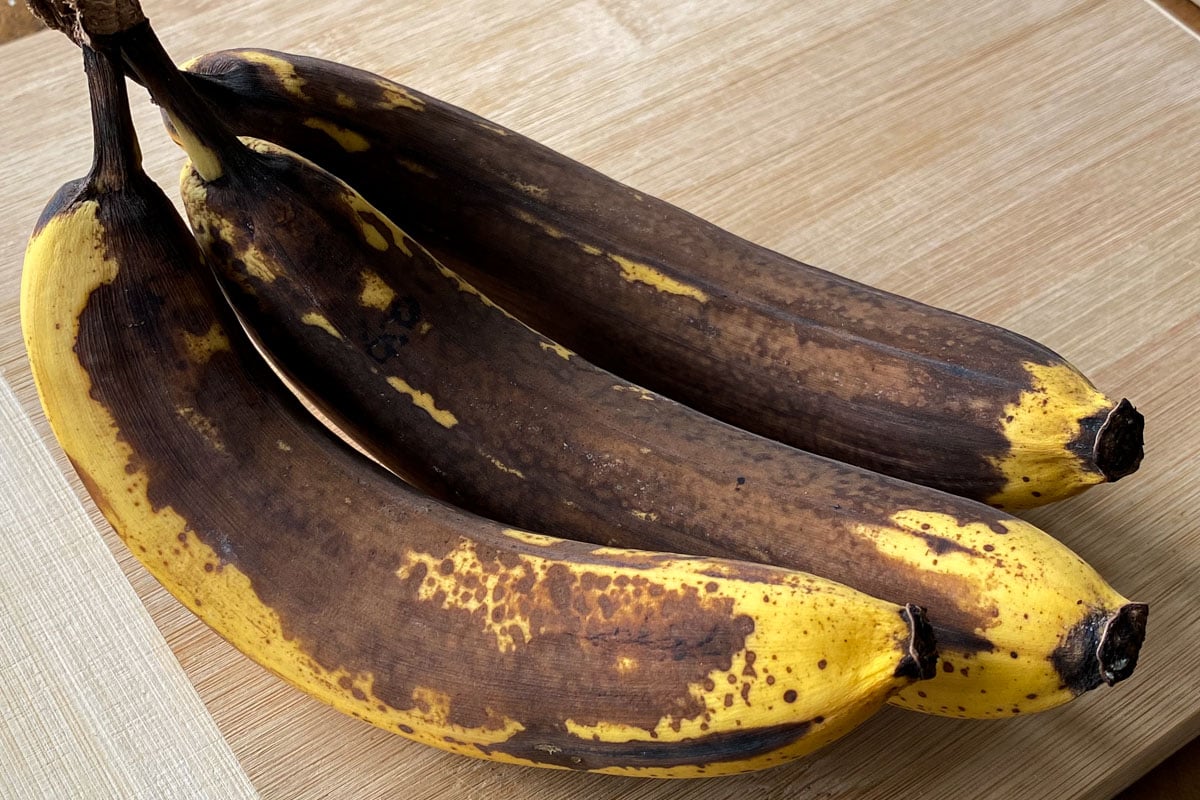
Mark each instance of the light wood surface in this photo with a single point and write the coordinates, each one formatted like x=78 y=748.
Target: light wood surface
x=94 y=703
x=1030 y=163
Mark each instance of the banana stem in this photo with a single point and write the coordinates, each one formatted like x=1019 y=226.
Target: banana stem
x=116 y=155
x=212 y=147
x=119 y=26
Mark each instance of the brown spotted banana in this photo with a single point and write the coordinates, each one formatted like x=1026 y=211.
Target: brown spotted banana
x=413 y=615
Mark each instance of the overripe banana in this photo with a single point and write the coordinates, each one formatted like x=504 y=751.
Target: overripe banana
x=472 y=405
x=680 y=306
x=407 y=613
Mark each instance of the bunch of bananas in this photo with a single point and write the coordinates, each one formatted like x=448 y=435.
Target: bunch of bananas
x=743 y=567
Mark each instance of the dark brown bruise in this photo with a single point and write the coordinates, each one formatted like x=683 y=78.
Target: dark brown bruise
x=320 y=533
x=759 y=353
x=598 y=461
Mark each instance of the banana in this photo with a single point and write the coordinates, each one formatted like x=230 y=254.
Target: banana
x=410 y=614
x=682 y=307
x=471 y=405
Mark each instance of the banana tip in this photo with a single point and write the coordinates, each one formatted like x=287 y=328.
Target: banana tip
x=1121 y=642
x=1102 y=648
x=1118 y=450
x=920 y=662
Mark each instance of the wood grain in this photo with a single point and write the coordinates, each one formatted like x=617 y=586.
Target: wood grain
x=94 y=704
x=1184 y=13
x=1029 y=163
x=16 y=21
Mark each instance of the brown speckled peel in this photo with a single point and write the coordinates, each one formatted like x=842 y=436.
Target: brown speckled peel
x=393 y=607
x=571 y=441
x=346 y=608
x=775 y=346
x=356 y=578
x=468 y=403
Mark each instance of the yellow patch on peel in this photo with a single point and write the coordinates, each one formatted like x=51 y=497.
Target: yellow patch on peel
x=348 y=140
x=500 y=465
x=50 y=294
x=590 y=249
x=643 y=394
x=424 y=327
x=375 y=224
x=283 y=70
x=210 y=227
x=373 y=237
x=637 y=272
x=424 y=401
x=202 y=425
x=204 y=159
x=204 y=346
x=416 y=168
x=645 y=516
x=537 y=222
x=1025 y=584
x=534 y=539
x=447 y=584
x=394 y=96
x=320 y=321
x=492 y=127
x=1039 y=426
x=467 y=288
x=435 y=709
x=64 y=266
x=345 y=101
x=530 y=189
x=810 y=641
x=375 y=293
x=558 y=349
x=283 y=446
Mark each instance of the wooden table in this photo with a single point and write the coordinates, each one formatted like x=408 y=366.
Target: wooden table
x=1032 y=164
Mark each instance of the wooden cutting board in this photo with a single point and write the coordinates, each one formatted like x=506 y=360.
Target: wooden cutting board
x=1030 y=163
